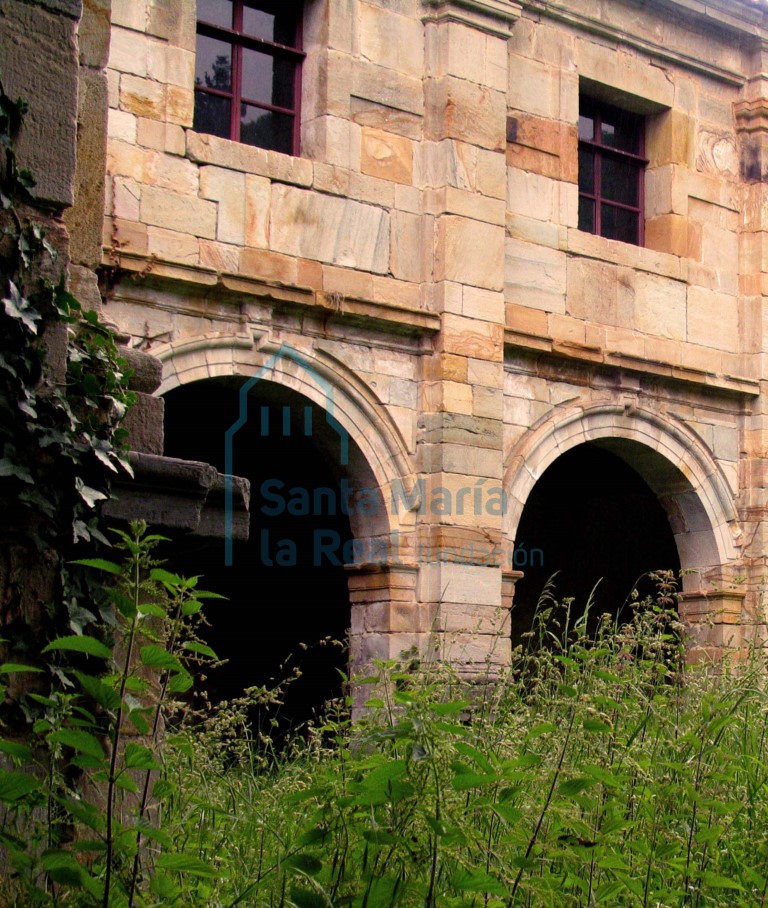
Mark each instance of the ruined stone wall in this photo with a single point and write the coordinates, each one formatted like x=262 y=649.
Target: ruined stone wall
x=423 y=250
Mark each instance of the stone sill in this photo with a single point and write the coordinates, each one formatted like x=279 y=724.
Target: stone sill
x=139 y=267
x=640 y=258
x=726 y=384
x=229 y=155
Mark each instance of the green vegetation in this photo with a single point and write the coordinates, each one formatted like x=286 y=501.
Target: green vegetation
x=598 y=771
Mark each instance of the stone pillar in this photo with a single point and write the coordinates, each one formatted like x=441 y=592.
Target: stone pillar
x=386 y=620
x=752 y=129
x=460 y=455
x=714 y=622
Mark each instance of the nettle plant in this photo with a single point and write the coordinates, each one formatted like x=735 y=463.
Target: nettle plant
x=80 y=823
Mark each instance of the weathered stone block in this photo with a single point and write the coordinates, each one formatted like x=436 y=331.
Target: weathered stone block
x=660 y=306
x=128 y=54
x=387 y=87
x=458 y=109
x=163 y=208
x=173 y=245
x=228 y=189
x=144 y=423
x=84 y=219
x=386 y=156
x=205 y=149
x=142 y=97
x=391 y=40
x=40 y=65
x=535 y=276
x=329 y=229
x=713 y=319
x=457 y=258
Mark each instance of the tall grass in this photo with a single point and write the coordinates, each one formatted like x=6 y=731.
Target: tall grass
x=599 y=771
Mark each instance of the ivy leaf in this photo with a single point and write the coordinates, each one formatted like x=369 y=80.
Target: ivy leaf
x=17 y=307
x=9 y=468
x=101 y=450
x=90 y=496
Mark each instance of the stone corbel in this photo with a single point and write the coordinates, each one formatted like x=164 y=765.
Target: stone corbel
x=494 y=17
x=752 y=128
x=751 y=116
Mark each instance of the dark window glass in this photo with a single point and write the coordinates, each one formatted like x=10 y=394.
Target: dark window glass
x=611 y=167
x=258 y=76
x=620 y=181
x=213 y=64
x=266 y=128
x=586 y=171
x=619 y=223
x=213 y=115
x=217 y=12
x=259 y=24
x=247 y=71
x=587 y=215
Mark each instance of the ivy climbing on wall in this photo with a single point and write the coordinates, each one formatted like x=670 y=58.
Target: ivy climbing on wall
x=62 y=397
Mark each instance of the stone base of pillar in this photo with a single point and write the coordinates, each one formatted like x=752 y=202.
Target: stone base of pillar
x=714 y=623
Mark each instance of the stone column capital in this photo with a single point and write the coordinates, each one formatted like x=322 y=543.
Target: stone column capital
x=494 y=17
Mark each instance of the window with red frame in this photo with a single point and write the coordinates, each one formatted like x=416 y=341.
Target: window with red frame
x=611 y=169
x=248 y=71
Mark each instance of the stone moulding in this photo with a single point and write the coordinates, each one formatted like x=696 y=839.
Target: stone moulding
x=495 y=17
x=700 y=491
x=143 y=269
x=356 y=407
x=586 y=23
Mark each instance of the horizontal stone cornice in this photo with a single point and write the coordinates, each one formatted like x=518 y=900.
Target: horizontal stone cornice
x=564 y=13
x=495 y=17
x=584 y=356
x=137 y=269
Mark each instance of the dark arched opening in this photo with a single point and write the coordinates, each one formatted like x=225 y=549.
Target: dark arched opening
x=591 y=517
x=286 y=588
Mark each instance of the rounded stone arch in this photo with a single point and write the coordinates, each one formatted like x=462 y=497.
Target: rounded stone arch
x=378 y=456
x=669 y=456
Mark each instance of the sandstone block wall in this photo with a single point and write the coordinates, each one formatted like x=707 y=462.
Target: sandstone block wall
x=425 y=247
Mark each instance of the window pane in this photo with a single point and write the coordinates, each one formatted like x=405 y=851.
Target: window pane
x=212 y=114
x=213 y=64
x=586 y=170
x=279 y=28
x=217 y=12
x=620 y=130
x=586 y=128
x=267 y=79
x=619 y=180
x=258 y=76
x=587 y=215
x=266 y=129
x=618 y=224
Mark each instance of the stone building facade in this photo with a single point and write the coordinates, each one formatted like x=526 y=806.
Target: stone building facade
x=500 y=231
